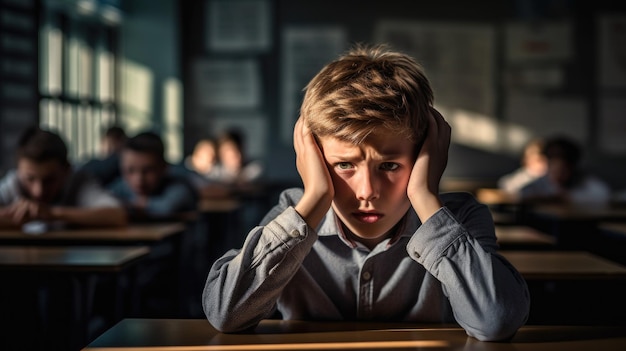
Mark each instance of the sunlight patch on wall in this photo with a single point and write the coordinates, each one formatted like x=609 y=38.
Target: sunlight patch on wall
x=136 y=95
x=173 y=110
x=485 y=132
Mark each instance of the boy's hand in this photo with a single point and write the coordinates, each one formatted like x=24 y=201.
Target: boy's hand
x=25 y=210
x=423 y=188
x=318 y=186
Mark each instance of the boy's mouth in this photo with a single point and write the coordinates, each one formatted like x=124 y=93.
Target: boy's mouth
x=368 y=217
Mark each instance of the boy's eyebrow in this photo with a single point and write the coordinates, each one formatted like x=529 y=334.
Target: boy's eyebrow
x=385 y=153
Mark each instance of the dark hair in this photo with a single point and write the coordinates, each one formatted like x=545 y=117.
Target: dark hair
x=115 y=132
x=562 y=147
x=41 y=145
x=147 y=142
x=235 y=135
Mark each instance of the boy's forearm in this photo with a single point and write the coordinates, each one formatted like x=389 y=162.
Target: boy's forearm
x=93 y=217
x=488 y=296
x=242 y=287
x=425 y=205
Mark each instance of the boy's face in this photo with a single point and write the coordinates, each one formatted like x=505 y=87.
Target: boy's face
x=143 y=172
x=370 y=182
x=41 y=181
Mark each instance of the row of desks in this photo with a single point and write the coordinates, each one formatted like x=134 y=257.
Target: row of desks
x=56 y=278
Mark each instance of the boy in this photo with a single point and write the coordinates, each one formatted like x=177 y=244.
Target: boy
x=44 y=188
x=107 y=169
x=565 y=181
x=146 y=187
x=370 y=237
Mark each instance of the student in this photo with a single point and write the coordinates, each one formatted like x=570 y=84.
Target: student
x=146 y=187
x=107 y=168
x=44 y=188
x=234 y=167
x=203 y=159
x=370 y=237
x=533 y=165
x=565 y=181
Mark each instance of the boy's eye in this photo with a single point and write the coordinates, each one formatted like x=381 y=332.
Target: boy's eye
x=389 y=166
x=344 y=165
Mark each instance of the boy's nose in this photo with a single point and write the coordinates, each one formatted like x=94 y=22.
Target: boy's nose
x=367 y=188
x=36 y=190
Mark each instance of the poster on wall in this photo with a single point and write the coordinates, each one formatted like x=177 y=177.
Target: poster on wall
x=227 y=83
x=612 y=51
x=612 y=125
x=305 y=51
x=535 y=54
x=243 y=25
x=458 y=59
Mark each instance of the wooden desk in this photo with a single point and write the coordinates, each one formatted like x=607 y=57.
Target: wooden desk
x=69 y=259
x=574 y=226
x=164 y=271
x=571 y=287
x=523 y=237
x=133 y=234
x=199 y=335
x=63 y=281
x=619 y=229
x=580 y=213
x=563 y=265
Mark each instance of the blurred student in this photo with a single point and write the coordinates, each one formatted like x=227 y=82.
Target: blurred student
x=146 y=187
x=533 y=165
x=369 y=237
x=44 y=188
x=106 y=168
x=234 y=167
x=203 y=160
x=565 y=180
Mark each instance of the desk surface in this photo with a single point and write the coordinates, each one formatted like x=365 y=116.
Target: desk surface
x=555 y=265
x=152 y=232
x=580 y=213
x=198 y=334
x=69 y=259
x=613 y=227
x=519 y=234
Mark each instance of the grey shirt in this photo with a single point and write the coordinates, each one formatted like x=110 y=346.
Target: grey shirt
x=444 y=270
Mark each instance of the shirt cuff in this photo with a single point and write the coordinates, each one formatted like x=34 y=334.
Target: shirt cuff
x=433 y=238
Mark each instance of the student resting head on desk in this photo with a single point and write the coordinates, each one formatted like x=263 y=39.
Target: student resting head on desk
x=370 y=237
x=43 y=189
x=147 y=187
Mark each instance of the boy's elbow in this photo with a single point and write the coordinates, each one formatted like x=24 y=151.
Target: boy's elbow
x=222 y=320
x=500 y=326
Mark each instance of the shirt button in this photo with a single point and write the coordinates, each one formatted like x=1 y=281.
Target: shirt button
x=294 y=233
x=367 y=276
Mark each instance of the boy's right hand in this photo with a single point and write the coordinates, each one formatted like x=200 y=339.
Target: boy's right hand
x=318 y=185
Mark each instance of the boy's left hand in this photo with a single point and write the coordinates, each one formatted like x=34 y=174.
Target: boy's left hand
x=423 y=187
x=25 y=210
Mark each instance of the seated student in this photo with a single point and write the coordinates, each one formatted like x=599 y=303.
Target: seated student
x=203 y=159
x=107 y=168
x=146 y=187
x=565 y=181
x=234 y=167
x=533 y=165
x=43 y=187
x=370 y=237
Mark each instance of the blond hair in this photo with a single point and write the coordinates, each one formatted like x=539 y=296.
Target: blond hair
x=367 y=89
